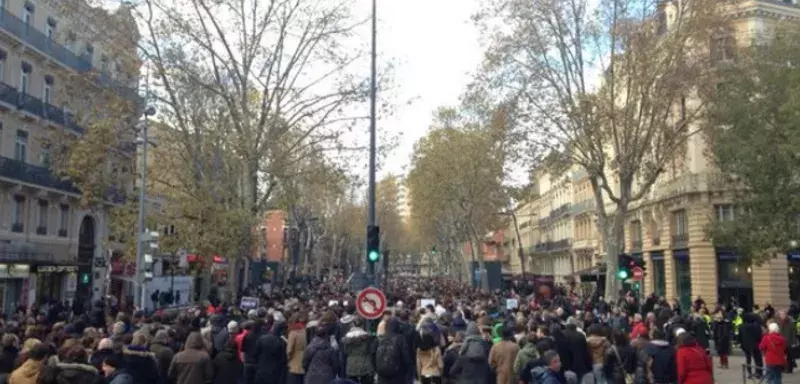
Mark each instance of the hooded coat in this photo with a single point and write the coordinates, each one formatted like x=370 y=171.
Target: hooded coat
x=321 y=361
x=76 y=373
x=27 y=373
x=193 y=364
x=472 y=363
x=358 y=346
x=141 y=364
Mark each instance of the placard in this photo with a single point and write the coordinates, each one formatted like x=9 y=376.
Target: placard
x=424 y=303
x=248 y=302
x=512 y=304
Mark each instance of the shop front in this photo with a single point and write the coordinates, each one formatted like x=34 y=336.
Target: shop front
x=13 y=280
x=54 y=282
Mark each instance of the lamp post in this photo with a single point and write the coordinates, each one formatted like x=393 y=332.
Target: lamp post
x=140 y=229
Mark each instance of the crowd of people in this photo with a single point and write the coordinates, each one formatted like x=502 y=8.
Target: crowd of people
x=313 y=335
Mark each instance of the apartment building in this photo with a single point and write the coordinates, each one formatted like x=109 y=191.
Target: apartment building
x=587 y=245
x=51 y=247
x=553 y=251
x=668 y=229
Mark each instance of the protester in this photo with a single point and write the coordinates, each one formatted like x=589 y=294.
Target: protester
x=773 y=348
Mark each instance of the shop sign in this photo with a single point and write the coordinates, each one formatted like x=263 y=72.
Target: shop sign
x=14 y=271
x=57 y=268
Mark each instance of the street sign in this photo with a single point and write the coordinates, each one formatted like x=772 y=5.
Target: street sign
x=370 y=303
x=638 y=273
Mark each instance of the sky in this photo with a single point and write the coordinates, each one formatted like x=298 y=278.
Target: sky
x=436 y=47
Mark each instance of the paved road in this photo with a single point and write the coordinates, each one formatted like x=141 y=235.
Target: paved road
x=733 y=375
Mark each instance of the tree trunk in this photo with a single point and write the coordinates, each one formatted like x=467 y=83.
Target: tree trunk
x=520 y=251
x=476 y=241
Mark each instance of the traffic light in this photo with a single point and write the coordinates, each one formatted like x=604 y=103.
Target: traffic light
x=625 y=262
x=149 y=245
x=84 y=278
x=373 y=243
x=433 y=250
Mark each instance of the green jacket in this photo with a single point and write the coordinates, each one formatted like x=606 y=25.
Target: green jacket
x=526 y=354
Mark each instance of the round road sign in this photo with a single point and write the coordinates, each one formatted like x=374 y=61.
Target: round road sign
x=370 y=303
x=638 y=273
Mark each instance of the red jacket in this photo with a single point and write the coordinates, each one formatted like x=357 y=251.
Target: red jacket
x=639 y=329
x=694 y=365
x=239 y=339
x=773 y=346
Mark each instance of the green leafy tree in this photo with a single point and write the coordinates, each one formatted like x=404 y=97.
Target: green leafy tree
x=456 y=176
x=754 y=131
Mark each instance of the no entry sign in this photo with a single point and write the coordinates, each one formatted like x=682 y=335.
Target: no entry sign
x=370 y=303
x=638 y=274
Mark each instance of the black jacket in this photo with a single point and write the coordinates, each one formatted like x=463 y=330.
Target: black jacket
x=79 y=374
x=580 y=361
x=270 y=355
x=661 y=355
x=97 y=358
x=250 y=345
x=141 y=364
x=394 y=331
x=227 y=367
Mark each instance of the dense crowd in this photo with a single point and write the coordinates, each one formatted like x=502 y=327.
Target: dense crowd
x=311 y=334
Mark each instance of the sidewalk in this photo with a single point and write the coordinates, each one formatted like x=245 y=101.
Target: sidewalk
x=733 y=375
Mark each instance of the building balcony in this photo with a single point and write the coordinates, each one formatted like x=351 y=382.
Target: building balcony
x=24 y=33
x=690 y=183
x=680 y=240
x=30 y=105
x=553 y=246
x=33 y=174
x=555 y=215
x=583 y=206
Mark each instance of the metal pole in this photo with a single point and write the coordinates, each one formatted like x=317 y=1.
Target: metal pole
x=372 y=122
x=139 y=294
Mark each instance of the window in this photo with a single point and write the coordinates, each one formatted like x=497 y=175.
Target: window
x=44 y=155
x=680 y=229
x=47 y=92
x=24 y=81
x=63 y=220
x=17 y=220
x=27 y=15
x=724 y=212
x=50 y=31
x=722 y=48
x=679 y=223
x=636 y=235
x=21 y=146
x=104 y=63
x=41 y=228
x=2 y=66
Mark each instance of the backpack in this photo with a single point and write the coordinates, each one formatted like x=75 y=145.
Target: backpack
x=388 y=357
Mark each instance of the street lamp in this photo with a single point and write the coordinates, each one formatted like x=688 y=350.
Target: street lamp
x=139 y=296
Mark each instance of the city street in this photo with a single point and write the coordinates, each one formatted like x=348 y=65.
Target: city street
x=733 y=375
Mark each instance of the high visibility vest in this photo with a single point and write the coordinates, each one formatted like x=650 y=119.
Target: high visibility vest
x=736 y=323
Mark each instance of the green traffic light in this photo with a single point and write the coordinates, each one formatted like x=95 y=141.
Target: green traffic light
x=374 y=256
x=622 y=274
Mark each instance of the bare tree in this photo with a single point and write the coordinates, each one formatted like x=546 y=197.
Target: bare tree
x=612 y=88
